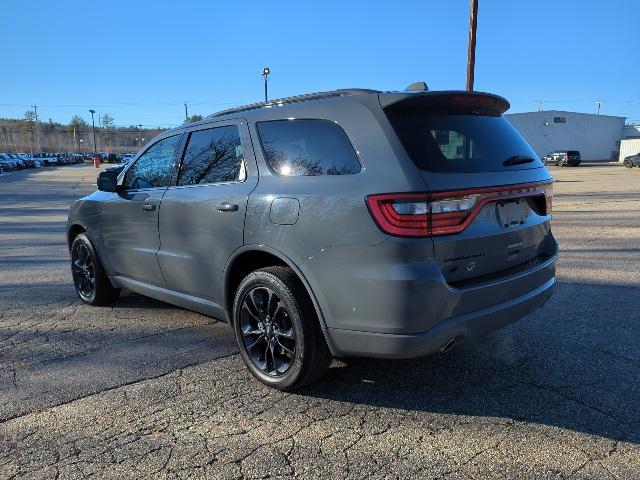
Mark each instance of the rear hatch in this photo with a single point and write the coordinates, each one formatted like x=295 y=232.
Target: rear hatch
x=489 y=195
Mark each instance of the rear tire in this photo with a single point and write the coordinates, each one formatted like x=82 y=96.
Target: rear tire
x=277 y=331
x=89 y=278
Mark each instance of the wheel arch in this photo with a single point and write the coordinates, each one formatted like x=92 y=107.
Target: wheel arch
x=251 y=257
x=73 y=231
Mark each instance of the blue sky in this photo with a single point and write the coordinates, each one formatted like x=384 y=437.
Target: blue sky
x=140 y=60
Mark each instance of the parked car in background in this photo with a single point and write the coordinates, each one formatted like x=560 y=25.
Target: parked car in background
x=113 y=158
x=268 y=219
x=21 y=163
x=45 y=159
x=28 y=161
x=8 y=164
x=562 y=158
x=632 y=161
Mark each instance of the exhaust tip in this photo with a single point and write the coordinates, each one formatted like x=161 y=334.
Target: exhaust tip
x=452 y=343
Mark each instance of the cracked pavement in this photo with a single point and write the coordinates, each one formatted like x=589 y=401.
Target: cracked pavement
x=141 y=389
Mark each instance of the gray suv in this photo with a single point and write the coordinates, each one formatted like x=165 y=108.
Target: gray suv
x=344 y=223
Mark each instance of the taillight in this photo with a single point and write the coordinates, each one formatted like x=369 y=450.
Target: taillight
x=404 y=215
x=443 y=213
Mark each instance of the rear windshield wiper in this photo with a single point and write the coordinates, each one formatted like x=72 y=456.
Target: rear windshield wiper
x=517 y=160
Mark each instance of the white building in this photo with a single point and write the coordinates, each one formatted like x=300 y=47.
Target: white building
x=630 y=144
x=596 y=137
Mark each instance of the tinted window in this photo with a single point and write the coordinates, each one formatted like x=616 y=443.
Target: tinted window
x=461 y=143
x=213 y=156
x=559 y=119
x=307 y=147
x=155 y=167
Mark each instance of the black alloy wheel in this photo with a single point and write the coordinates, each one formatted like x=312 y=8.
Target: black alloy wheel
x=82 y=268
x=277 y=329
x=268 y=334
x=89 y=278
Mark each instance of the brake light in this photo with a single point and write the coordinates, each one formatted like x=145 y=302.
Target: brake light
x=443 y=213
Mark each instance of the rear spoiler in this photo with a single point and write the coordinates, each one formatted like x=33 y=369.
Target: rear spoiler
x=451 y=101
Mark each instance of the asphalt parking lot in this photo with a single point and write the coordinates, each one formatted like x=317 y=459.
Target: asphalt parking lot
x=143 y=389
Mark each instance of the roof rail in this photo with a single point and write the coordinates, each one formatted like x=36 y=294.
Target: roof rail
x=297 y=98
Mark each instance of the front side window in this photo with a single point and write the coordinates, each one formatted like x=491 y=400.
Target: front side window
x=307 y=147
x=213 y=156
x=154 y=168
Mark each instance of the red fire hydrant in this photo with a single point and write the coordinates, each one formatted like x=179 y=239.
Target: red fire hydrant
x=96 y=161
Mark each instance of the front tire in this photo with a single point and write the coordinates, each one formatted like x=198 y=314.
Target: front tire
x=89 y=278
x=277 y=331
x=628 y=163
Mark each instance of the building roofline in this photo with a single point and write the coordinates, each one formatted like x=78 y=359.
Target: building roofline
x=565 y=111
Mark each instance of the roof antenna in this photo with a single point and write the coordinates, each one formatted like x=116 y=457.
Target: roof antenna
x=417 y=87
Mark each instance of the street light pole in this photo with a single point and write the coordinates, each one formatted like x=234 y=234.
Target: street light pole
x=93 y=124
x=471 y=53
x=265 y=75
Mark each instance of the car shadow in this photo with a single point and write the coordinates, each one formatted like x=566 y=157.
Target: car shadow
x=567 y=365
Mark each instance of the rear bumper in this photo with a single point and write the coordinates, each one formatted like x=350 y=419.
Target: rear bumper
x=464 y=327
x=390 y=301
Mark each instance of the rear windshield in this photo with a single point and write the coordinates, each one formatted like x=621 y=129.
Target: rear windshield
x=463 y=143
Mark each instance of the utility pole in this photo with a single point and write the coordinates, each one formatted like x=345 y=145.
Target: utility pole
x=540 y=104
x=35 y=109
x=598 y=102
x=186 y=113
x=471 y=53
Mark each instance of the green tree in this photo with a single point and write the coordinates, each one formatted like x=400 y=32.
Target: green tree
x=78 y=122
x=30 y=116
x=107 y=121
x=107 y=133
x=75 y=126
x=193 y=118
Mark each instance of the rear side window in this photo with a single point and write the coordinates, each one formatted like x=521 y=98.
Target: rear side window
x=462 y=143
x=307 y=147
x=154 y=168
x=213 y=156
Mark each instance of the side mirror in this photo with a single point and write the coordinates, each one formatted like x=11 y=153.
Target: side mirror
x=108 y=181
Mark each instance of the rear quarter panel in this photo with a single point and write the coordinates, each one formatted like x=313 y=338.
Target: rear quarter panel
x=332 y=210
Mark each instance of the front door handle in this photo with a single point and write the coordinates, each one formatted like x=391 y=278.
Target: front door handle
x=147 y=207
x=227 y=207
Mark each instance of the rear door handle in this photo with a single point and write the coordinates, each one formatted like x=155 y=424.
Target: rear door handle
x=147 y=207
x=227 y=207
